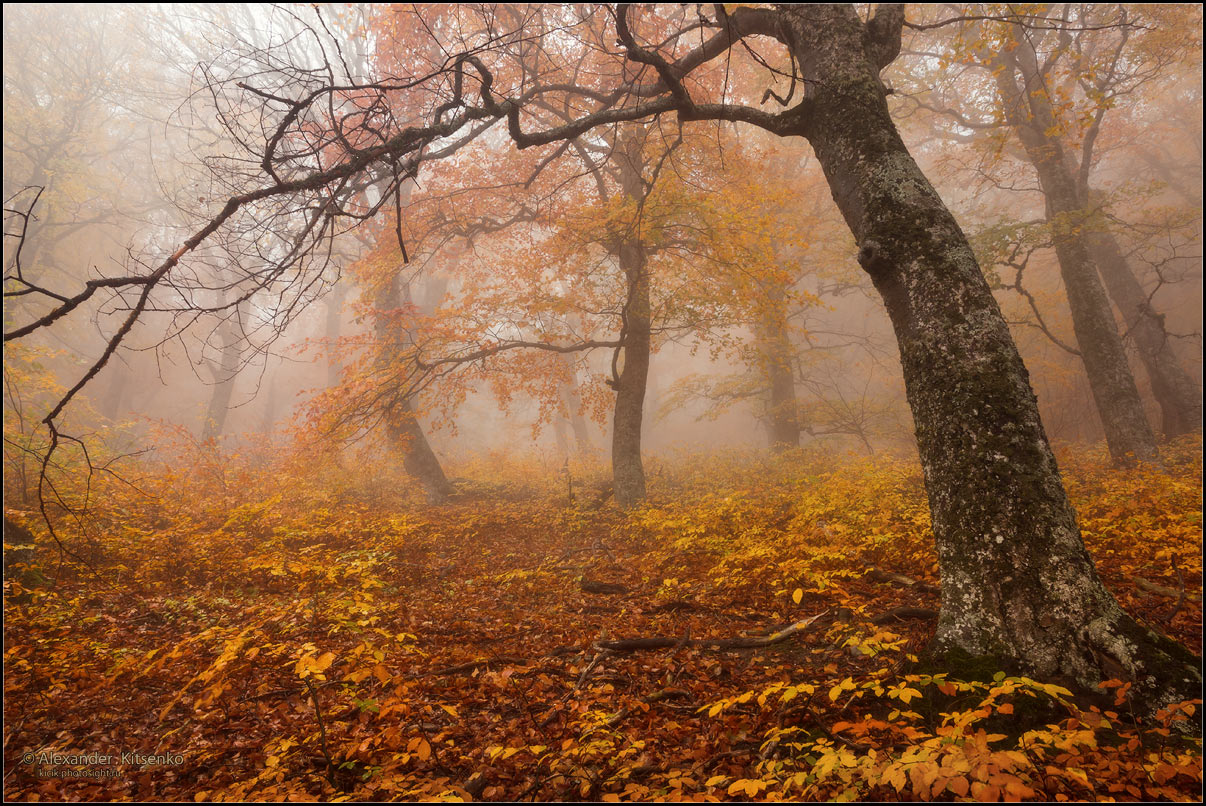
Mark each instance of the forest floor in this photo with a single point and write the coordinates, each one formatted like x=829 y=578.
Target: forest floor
x=308 y=637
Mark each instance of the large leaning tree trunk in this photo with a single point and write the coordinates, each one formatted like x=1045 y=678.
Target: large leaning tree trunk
x=401 y=423
x=1179 y=397
x=1017 y=581
x=1029 y=114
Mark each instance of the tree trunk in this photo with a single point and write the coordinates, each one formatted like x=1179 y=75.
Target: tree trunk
x=1017 y=581
x=401 y=424
x=268 y=418
x=1178 y=395
x=568 y=390
x=119 y=381
x=418 y=458
x=577 y=421
x=776 y=358
x=224 y=374
x=628 y=473
x=1028 y=112
x=334 y=321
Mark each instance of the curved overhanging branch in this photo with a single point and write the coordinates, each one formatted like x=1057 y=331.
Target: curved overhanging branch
x=512 y=344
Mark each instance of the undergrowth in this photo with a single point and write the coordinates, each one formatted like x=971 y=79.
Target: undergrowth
x=286 y=626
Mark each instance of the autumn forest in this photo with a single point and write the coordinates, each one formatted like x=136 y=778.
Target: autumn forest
x=650 y=402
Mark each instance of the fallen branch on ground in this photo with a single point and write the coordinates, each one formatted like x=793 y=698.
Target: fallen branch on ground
x=1160 y=590
x=595 y=586
x=904 y=614
x=637 y=644
x=879 y=575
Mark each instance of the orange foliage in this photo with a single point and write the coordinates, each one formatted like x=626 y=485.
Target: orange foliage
x=280 y=627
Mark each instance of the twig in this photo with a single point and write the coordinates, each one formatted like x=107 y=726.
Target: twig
x=322 y=731
x=637 y=644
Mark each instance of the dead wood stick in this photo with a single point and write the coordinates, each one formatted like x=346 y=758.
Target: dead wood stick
x=879 y=575
x=637 y=644
x=904 y=614
x=596 y=586
x=1160 y=590
x=590 y=667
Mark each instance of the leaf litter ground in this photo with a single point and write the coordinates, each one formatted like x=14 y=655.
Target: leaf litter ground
x=327 y=645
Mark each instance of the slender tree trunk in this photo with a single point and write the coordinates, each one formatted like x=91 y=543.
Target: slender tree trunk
x=401 y=423
x=1128 y=433
x=776 y=358
x=568 y=389
x=334 y=322
x=115 y=395
x=628 y=473
x=577 y=421
x=1179 y=397
x=224 y=375
x=563 y=447
x=268 y=419
x=1017 y=581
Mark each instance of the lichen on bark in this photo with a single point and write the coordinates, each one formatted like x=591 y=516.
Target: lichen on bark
x=1017 y=581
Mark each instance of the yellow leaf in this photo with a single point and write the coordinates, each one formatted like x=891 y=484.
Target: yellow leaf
x=797 y=595
x=750 y=786
x=836 y=691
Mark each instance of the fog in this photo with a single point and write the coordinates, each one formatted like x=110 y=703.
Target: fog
x=602 y=403
x=128 y=129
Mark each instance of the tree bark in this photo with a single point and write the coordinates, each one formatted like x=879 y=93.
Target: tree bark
x=1127 y=431
x=1179 y=397
x=1017 y=581
x=628 y=473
